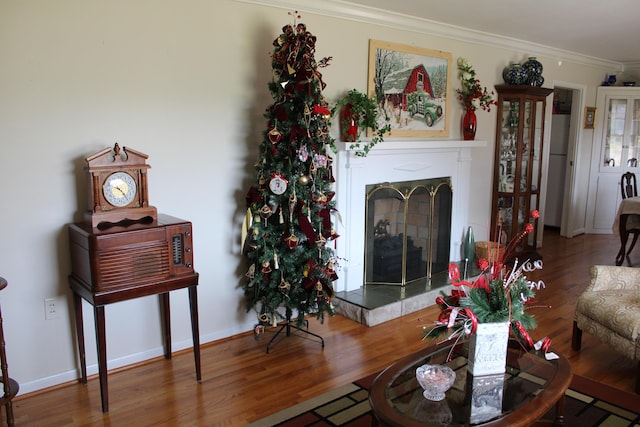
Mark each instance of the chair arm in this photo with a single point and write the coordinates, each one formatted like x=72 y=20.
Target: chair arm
x=607 y=277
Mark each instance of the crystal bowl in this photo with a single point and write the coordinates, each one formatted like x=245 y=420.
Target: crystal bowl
x=435 y=380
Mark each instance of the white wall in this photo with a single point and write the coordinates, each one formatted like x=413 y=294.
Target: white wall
x=186 y=83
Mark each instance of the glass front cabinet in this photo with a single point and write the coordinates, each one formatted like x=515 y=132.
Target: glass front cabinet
x=518 y=162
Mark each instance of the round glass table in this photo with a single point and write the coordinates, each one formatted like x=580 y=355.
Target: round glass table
x=529 y=389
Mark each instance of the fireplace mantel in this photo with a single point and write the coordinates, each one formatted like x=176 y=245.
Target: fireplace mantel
x=390 y=161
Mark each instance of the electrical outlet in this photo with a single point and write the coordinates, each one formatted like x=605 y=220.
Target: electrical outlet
x=50 y=308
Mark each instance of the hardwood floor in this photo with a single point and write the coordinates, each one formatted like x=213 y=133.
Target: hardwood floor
x=241 y=383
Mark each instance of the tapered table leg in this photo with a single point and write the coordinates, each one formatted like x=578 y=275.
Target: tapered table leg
x=101 y=343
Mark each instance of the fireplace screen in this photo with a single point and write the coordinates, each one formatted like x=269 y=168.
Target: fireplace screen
x=408 y=231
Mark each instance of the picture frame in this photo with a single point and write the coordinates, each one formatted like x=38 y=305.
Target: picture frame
x=589 y=117
x=412 y=86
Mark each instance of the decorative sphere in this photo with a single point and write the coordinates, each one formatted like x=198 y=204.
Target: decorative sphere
x=303 y=180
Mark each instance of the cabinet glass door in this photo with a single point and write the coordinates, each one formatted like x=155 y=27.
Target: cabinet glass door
x=621 y=145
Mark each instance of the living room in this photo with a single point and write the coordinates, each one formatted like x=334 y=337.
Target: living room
x=186 y=84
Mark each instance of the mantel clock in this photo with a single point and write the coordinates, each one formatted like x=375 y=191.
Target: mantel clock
x=117 y=183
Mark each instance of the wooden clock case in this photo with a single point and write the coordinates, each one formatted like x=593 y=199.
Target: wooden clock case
x=99 y=167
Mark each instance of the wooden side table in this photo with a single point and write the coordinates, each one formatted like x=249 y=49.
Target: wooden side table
x=123 y=263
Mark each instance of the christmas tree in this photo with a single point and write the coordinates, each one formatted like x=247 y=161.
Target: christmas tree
x=288 y=225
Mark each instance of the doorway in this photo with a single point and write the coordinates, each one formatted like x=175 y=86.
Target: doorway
x=563 y=209
x=558 y=149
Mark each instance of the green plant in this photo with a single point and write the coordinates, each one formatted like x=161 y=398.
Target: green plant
x=365 y=112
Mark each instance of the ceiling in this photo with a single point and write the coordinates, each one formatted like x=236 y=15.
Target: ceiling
x=607 y=30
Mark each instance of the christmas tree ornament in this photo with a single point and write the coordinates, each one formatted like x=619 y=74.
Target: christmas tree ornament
x=247 y=224
x=266 y=211
x=320 y=161
x=278 y=185
x=274 y=136
x=264 y=319
x=292 y=241
x=304 y=180
x=251 y=272
x=275 y=261
x=258 y=330
x=265 y=267
x=303 y=153
x=284 y=286
x=323 y=111
x=307 y=119
x=320 y=199
x=321 y=241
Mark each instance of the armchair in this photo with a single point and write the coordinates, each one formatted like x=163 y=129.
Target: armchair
x=609 y=309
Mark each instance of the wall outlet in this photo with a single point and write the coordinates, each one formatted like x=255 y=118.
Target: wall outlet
x=50 y=308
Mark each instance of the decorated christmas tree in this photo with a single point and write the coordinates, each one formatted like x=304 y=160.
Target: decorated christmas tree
x=288 y=226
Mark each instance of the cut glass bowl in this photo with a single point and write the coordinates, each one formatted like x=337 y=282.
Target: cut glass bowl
x=435 y=380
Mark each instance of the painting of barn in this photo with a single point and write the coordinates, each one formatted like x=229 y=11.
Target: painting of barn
x=411 y=85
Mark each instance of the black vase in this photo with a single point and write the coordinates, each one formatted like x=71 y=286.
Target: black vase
x=515 y=74
x=533 y=68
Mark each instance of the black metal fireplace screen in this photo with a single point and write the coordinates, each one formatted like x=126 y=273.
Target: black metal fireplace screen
x=408 y=231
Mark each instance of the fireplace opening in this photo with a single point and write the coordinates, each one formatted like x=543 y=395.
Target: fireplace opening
x=408 y=231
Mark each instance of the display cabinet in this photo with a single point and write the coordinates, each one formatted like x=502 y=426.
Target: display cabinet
x=518 y=162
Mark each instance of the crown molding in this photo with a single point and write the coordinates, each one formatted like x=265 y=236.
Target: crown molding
x=370 y=15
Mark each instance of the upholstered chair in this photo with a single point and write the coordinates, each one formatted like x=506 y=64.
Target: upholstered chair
x=609 y=309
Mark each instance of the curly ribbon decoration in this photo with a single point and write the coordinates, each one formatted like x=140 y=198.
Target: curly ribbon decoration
x=530 y=266
x=528 y=341
x=450 y=315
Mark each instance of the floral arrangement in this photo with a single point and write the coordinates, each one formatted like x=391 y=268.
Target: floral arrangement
x=500 y=294
x=472 y=94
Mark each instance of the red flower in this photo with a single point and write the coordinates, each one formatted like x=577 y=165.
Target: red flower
x=534 y=214
x=528 y=228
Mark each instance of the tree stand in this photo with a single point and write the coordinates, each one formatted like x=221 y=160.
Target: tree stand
x=288 y=325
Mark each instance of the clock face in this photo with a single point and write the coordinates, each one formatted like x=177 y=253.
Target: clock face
x=119 y=189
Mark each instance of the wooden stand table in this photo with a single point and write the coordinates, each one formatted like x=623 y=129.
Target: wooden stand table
x=123 y=263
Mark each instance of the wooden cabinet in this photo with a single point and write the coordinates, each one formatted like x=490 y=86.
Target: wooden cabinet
x=125 y=262
x=616 y=150
x=518 y=162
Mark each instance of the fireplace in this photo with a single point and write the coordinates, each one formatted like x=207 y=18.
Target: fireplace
x=407 y=231
x=397 y=161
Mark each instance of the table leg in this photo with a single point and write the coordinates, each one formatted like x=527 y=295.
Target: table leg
x=101 y=343
x=165 y=314
x=77 y=304
x=195 y=328
x=624 y=236
x=559 y=421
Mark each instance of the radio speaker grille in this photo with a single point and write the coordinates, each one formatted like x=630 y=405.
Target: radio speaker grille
x=131 y=266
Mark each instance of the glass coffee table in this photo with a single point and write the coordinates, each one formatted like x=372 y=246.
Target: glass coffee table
x=529 y=389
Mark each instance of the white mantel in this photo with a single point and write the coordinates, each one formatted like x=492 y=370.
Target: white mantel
x=390 y=161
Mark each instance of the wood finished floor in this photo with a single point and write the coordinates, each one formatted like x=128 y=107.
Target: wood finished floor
x=241 y=383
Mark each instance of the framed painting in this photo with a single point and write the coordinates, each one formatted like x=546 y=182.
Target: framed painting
x=589 y=117
x=412 y=86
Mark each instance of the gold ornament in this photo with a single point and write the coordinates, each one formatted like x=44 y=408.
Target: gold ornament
x=304 y=180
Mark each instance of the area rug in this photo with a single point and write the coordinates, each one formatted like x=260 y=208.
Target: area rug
x=587 y=404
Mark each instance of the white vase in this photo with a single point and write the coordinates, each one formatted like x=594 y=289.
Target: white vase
x=488 y=349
